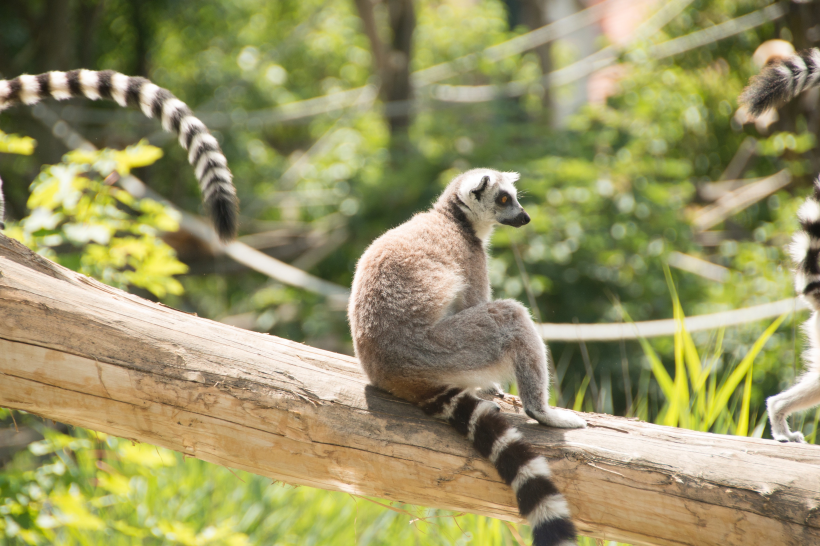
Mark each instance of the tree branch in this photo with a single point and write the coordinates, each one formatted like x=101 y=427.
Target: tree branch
x=80 y=352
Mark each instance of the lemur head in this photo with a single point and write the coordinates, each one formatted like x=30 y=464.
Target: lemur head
x=488 y=198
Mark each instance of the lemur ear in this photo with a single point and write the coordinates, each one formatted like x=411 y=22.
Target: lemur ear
x=511 y=177
x=481 y=187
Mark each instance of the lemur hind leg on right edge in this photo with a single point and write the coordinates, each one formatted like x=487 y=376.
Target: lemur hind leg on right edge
x=805 y=394
x=805 y=248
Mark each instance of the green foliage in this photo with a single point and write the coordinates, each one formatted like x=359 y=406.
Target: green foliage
x=118 y=236
x=93 y=488
x=779 y=143
x=694 y=397
x=90 y=488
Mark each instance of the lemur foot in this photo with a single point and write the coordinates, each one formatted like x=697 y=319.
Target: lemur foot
x=553 y=417
x=781 y=433
x=790 y=437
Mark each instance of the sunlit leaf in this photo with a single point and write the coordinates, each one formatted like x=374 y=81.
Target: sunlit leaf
x=15 y=144
x=726 y=390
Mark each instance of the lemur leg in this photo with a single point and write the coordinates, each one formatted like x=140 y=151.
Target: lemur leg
x=805 y=394
x=529 y=358
x=487 y=343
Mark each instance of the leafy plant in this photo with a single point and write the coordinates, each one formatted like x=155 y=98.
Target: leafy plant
x=694 y=397
x=91 y=488
x=116 y=237
x=16 y=144
x=93 y=485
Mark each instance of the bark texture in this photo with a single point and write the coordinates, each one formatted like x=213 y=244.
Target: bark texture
x=79 y=352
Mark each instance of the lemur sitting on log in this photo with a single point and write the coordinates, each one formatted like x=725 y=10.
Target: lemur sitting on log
x=783 y=79
x=204 y=153
x=425 y=329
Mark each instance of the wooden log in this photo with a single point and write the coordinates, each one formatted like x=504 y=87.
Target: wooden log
x=80 y=352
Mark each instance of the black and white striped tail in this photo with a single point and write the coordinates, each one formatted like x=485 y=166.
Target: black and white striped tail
x=805 y=249
x=204 y=153
x=519 y=465
x=781 y=81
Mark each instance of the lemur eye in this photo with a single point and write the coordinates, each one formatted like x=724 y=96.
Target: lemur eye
x=504 y=199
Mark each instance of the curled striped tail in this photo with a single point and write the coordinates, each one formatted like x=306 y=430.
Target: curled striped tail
x=805 y=248
x=204 y=153
x=519 y=465
x=782 y=80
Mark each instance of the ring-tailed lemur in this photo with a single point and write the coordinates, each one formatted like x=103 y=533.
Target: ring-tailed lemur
x=780 y=81
x=425 y=329
x=204 y=153
x=804 y=250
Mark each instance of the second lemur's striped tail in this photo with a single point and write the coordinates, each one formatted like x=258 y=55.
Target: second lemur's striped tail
x=519 y=465
x=805 y=249
x=782 y=80
x=204 y=153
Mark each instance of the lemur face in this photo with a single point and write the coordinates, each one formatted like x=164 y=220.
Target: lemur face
x=491 y=198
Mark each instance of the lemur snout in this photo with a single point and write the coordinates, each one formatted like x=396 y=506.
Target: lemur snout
x=520 y=220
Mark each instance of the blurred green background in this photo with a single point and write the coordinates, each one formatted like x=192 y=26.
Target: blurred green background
x=626 y=131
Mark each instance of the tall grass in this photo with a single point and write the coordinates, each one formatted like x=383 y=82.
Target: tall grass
x=696 y=397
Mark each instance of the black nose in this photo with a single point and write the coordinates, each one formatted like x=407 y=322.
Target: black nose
x=517 y=221
x=523 y=218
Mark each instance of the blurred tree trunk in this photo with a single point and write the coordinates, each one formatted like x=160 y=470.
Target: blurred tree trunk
x=533 y=14
x=56 y=44
x=803 y=23
x=89 y=13
x=142 y=26
x=392 y=57
x=803 y=19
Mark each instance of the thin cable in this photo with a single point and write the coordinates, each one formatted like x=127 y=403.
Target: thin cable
x=666 y=327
